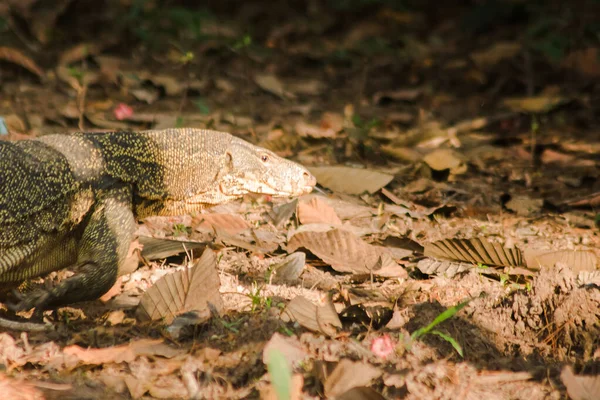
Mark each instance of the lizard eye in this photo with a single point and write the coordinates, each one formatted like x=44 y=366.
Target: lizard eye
x=264 y=158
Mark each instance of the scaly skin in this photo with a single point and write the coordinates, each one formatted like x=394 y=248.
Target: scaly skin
x=73 y=200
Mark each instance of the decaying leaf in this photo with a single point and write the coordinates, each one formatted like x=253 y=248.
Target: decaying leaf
x=496 y=53
x=589 y=278
x=317 y=210
x=322 y=319
x=283 y=212
x=524 y=205
x=361 y=393
x=17 y=57
x=349 y=374
x=290 y=269
x=476 y=251
x=445 y=159
x=539 y=104
x=580 y=387
x=272 y=84
x=118 y=354
x=230 y=223
x=351 y=180
x=445 y=268
x=195 y=288
x=576 y=260
x=345 y=252
x=290 y=347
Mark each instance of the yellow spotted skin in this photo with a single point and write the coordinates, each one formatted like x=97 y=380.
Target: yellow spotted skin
x=73 y=200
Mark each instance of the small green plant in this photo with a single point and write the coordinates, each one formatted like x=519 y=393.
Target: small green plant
x=280 y=374
x=482 y=266
x=181 y=230
x=242 y=43
x=258 y=299
x=429 y=329
x=201 y=105
x=232 y=326
x=504 y=278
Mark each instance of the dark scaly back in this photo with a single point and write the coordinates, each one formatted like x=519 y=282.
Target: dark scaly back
x=33 y=177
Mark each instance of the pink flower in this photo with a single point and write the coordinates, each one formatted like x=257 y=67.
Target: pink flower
x=382 y=346
x=123 y=111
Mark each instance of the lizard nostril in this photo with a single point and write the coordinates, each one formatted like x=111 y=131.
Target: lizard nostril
x=309 y=179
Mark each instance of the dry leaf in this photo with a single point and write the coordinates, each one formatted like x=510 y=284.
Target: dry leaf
x=123 y=353
x=322 y=319
x=195 y=288
x=580 y=387
x=283 y=212
x=290 y=269
x=586 y=61
x=443 y=159
x=272 y=84
x=290 y=347
x=496 y=53
x=443 y=268
x=351 y=180
x=539 y=104
x=524 y=205
x=576 y=260
x=360 y=393
x=397 y=95
x=475 y=251
x=317 y=211
x=158 y=248
x=17 y=57
x=347 y=375
x=345 y=252
x=230 y=223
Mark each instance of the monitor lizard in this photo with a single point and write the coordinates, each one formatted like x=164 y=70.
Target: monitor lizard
x=74 y=200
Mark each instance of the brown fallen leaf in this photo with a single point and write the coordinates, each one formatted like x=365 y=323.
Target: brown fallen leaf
x=348 y=375
x=345 y=252
x=322 y=319
x=351 y=180
x=124 y=353
x=586 y=61
x=17 y=389
x=230 y=223
x=496 y=53
x=580 y=387
x=446 y=159
x=524 y=205
x=317 y=210
x=443 y=268
x=272 y=84
x=290 y=269
x=290 y=347
x=475 y=251
x=18 y=57
x=577 y=261
x=361 y=393
x=538 y=104
x=195 y=288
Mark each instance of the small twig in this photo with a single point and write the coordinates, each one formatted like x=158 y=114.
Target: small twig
x=25 y=326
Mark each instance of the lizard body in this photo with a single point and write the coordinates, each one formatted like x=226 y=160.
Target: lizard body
x=73 y=200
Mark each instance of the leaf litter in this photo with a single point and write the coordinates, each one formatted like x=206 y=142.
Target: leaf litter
x=480 y=185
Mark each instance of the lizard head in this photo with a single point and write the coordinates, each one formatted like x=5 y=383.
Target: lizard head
x=253 y=169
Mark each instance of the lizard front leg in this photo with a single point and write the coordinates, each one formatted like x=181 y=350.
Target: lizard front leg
x=102 y=249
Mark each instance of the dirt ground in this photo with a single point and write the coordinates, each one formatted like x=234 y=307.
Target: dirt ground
x=456 y=149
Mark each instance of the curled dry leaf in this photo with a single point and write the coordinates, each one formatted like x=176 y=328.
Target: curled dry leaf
x=317 y=210
x=475 y=251
x=347 y=253
x=195 y=288
x=290 y=269
x=351 y=180
x=580 y=387
x=348 y=375
x=322 y=319
x=282 y=213
x=17 y=57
